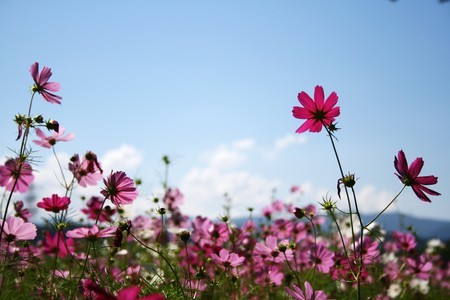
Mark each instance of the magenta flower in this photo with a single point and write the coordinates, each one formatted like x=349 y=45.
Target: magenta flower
x=54 y=204
x=53 y=244
x=14 y=171
x=316 y=112
x=42 y=85
x=309 y=293
x=21 y=212
x=409 y=176
x=119 y=188
x=49 y=141
x=94 y=208
x=17 y=229
x=227 y=259
x=127 y=293
x=91 y=234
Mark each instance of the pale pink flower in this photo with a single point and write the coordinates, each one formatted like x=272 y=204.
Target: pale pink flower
x=309 y=293
x=92 y=233
x=50 y=140
x=317 y=112
x=54 y=204
x=227 y=259
x=13 y=171
x=42 y=85
x=409 y=176
x=17 y=229
x=119 y=188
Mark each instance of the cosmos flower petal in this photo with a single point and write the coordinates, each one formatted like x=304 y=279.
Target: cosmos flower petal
x=319 y=96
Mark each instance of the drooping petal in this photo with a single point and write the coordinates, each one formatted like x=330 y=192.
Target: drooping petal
x=420 y=194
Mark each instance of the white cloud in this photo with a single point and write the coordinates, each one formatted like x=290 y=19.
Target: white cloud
x=288 y=140
x=204 y=187
x=125 y=158
x=227 y=156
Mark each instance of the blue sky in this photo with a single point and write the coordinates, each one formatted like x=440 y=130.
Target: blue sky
x=212 y=84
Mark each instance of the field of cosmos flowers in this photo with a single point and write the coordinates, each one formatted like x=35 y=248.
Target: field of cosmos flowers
x=165 y=254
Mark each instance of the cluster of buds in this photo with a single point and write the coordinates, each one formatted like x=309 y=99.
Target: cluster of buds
x=26 y=122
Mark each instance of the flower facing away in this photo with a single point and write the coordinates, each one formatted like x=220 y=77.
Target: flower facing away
x=88 y=171
x=42 y=85
x=91 y=234
x=49 y=141
x=17 y=229
x=119 y=188
x=21 y=212
x=409 y=176
x=13 y=171
x=54 y=204
x=227 y=259
x=317 y=112
x=309 y=293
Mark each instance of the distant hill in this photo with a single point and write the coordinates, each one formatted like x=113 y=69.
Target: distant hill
x=425 y=228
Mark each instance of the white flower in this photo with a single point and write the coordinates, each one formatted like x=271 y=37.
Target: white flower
x=433 y=245
x=394 y=290
x=419 y=285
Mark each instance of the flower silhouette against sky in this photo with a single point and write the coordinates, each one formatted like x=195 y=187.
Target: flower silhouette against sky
x=119 y=188
x=49 y=141
x=42 y=85
x=54 y=204
x=317 y=112
x=16 y=229
x=10 y=172
x=409 y=176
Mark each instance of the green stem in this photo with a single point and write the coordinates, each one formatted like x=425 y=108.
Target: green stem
x=390 y=203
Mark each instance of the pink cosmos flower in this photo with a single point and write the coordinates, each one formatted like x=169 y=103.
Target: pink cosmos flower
x=316 y=112
x=42 y=85
x=49 y=141
x=309 y=293
x=270 y=250
x=92 y=233
x=53 y=244
x=88 y=171
x=119 y=188
x=94 y=205
x=404 y=241
x=15 y=170
x=54 y=204
x=21 y=212
x=410 y=176
x=227 y=259
x=17 y=229
x=420 y=267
